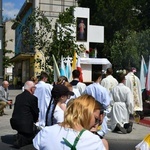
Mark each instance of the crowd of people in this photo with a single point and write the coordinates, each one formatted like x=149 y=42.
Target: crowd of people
x=72 y=115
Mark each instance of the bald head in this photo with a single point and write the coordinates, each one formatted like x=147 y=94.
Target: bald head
x=29 y=86
x=5 y=84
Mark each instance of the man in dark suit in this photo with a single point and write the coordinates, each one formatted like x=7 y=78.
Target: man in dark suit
x=24 y=116
x=4 y=97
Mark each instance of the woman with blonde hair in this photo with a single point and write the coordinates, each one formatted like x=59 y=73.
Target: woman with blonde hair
x=73 y=133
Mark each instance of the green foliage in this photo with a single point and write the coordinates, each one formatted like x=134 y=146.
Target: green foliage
x=142 y=8
x=36 y=35
x=6 y=59
x=63 y=43
x=37 y=31
x=127 y=50
x=67 y=17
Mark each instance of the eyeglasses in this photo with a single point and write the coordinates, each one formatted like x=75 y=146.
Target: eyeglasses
x=97 y=121
x=69 y=96
x=101 y=112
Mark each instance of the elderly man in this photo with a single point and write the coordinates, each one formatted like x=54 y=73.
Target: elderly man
x=4 y=97
x=24 y=116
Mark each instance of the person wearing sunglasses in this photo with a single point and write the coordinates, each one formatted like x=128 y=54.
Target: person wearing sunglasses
x=98 y=121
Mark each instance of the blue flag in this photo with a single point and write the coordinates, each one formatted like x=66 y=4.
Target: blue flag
x=62 y=67
x=143 y=74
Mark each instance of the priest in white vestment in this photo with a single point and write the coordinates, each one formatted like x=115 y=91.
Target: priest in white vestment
x=122 y=106
x=133 y=82
x=43 y=93
x=109 y=83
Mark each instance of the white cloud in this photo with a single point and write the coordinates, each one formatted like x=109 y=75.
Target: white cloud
x=9 y=10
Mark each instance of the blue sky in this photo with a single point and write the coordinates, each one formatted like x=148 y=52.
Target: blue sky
x=11 y=7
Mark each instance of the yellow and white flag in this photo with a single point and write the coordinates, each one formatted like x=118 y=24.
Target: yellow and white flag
x=145 y=144
x=74 y=61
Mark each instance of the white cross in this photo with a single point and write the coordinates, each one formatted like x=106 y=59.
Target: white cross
x=93 y=33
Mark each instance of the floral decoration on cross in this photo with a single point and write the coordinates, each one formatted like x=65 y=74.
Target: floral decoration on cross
x=90 y=51
x=123 y=71
x=81 y=48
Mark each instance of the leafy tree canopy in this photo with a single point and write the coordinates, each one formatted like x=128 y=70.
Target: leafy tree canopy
x=126 y=50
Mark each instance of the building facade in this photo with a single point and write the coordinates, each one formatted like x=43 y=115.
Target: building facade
x=24 y=64
x=9 y=36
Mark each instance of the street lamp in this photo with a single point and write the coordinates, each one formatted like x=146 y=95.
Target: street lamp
x=1 y=42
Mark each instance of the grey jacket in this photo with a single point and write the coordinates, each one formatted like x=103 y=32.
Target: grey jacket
x=2 y=94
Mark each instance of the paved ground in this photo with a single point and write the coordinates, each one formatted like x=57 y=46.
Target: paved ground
x=127 y=141
x=116 y=141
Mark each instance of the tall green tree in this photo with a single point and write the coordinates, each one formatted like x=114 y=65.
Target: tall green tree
x=127 y=50
x=36 y=34
x=142 y=8
x=6 y=59
x=39 y=34
x=63 y=41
